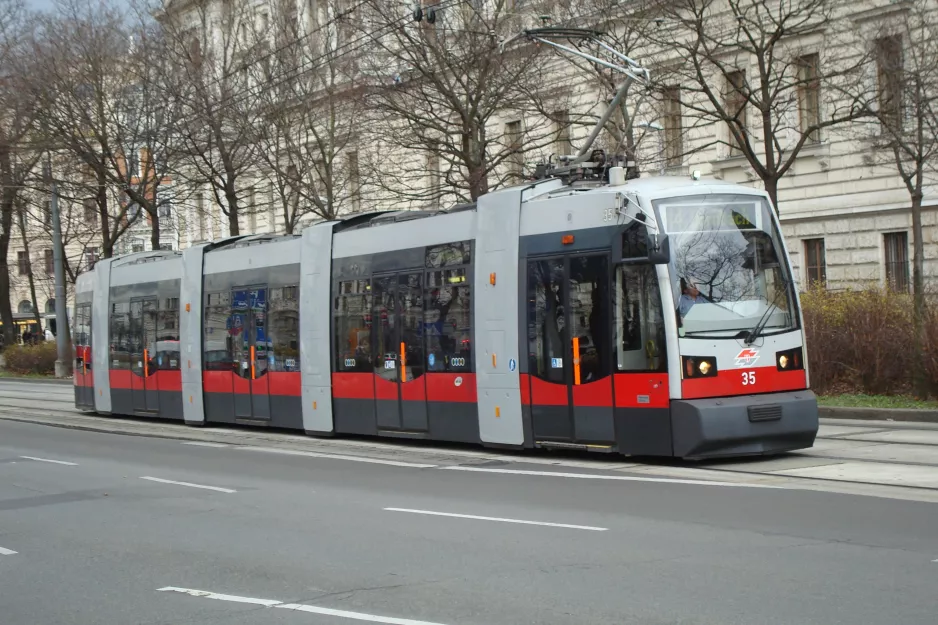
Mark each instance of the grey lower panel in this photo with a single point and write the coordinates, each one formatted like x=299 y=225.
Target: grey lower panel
x=414 y=416
x=552 y=422
x=243 y=408
x=388 y=414
x=219 y=407
x=721 y=427
x=452 y=421
x=527 y=425
x=594 y=424
x=354 y=416
x=152 y=399
x=286 y=412
x=261 y=406
x=644 y=431
x=122 y=401
x=170 y=403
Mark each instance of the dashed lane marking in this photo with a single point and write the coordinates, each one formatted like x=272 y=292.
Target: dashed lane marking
x=316 y=454
x=7 y=552
x=500 y=519
x=70 y=464
x=205 y=444
x=189 y=484
x=621 y=478
x=297 y=607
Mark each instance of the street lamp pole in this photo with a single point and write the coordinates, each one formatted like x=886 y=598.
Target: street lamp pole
x=63 y=342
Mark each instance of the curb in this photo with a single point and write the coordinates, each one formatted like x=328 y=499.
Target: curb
x=878 y=414
x=62 y=381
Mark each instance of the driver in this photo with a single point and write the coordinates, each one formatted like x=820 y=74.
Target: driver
x=690 y=295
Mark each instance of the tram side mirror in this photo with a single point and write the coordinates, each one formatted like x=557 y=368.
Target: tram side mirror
x=659 y=248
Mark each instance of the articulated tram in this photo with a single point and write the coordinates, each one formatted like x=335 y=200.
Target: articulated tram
x=647 y=317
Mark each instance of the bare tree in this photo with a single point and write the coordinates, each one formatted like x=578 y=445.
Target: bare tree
x=313 y=109
x=903 y=129
x=449 y=98
x=18 y=153
x=750 y=70
x=212 y=53
x=97 y=79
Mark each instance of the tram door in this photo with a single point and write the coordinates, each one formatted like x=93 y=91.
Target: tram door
x=250 y=352
x=398 y=340
x=570 y=349
x=143 y=382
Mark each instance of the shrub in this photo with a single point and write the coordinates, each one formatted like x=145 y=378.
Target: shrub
x=35 y=359
x=863 y=341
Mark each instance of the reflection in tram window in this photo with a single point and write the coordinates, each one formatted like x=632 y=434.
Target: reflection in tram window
x=639 y=325
x=589 y=304
x=352 y=323
x=217 y=356
x=167 y=334
x=121 y=342
x=410 y=300
x=448 y=321
x=449 y=255
x=547 y=331
x=284 y=328
x=386 y=349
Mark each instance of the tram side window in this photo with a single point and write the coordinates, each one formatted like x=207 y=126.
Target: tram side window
x=448 y=321
x=352 y=323
x=283 y=327
x=121 y=344
x=167 y=334
x=639 y=323
x=216 y=342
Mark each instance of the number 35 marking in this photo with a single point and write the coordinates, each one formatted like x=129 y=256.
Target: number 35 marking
x=749 y=378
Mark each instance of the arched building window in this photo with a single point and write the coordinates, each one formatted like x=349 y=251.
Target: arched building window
x=25 y=306
x=50 y=305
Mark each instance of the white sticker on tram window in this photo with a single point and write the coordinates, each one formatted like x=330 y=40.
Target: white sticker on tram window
x=140 y=364
x=172 y=363
x=290 y=362
x=390 y=364
x=244 y=365
x=458 y=381
x=556 y=363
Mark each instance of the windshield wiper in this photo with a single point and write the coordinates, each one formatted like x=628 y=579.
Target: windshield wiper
x=757 y=330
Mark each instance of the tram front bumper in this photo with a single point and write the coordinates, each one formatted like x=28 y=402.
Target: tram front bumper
x=722 y=427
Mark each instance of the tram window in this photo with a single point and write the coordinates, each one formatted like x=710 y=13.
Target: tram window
x=121 y=340
x=589 y=315
x=352 y=323
x=634 y=243
x=283 y=327
x=216 y=343
x=167 y=334
x=639 y=323
x=448 y=321
x=449 y=255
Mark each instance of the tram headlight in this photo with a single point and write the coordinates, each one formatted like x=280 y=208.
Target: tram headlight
x=699 y=367
x=790 y=359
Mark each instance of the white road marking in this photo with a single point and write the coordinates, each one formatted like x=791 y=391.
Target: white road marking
x=501 y=520
x=623 y=478
x=297 y=607
x=358 y=616
x=316 y=454
x=6 y=552
x=71 y=464
x=219 y=489
x=204 y=594
x=204 y=444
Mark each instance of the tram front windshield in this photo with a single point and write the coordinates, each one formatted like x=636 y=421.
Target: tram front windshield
x=728 y=268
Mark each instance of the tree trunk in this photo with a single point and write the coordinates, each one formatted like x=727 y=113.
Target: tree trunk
x=771 y=187
x=231 y=197
x=29 y=269
x=107 y=244
x=7 y=194
x=920 y=377
x=155 y=229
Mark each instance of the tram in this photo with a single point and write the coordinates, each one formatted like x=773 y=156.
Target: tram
x=646 y=317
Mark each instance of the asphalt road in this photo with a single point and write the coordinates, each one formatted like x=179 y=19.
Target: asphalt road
x=111 y=529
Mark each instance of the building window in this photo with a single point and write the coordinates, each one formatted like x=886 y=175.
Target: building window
x=50 y=262
x=736 y=109
x=50 y=308
x=47 y=213
x=25 y=306
x=896 y=246
x=889 y=80
x=165 y=211
x=673 y=127
x=562 y=144
x=22 y=262
x=200 y=214
x=809 y=96
x=815 y=262
x=91 y=257
x=137 y=246
x=515 y=153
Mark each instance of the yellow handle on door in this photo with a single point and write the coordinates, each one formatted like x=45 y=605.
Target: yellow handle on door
x=576 y=361
x=403 y=362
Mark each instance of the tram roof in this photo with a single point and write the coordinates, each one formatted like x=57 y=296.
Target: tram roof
x=654 y=186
